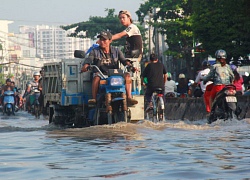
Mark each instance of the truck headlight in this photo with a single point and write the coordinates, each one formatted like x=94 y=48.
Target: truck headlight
x=116 y=81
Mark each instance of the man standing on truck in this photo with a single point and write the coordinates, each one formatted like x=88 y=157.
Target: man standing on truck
x=132 y=34
x=106 y=57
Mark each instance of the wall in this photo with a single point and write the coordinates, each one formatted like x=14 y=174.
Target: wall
x=194 y=108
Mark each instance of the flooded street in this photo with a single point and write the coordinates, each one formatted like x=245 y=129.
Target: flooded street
x=32 y=149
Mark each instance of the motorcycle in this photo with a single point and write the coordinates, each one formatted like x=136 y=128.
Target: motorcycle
x=111 y=104
x=9 y=103
x=170 y=94
x=35 y=105
x=224 y=105
x=17 y=100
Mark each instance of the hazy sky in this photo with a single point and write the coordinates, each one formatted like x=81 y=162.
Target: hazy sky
x=59 y=12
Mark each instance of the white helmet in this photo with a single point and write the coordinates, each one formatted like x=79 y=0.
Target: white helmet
x=36 y=74
x=181 y=76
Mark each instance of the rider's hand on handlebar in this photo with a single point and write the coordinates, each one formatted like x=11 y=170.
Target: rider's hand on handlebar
x=131 y=68
x=85 y=68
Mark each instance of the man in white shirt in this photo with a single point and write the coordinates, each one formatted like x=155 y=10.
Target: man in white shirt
x=132 y=34
x=170 y=85
x=205 y=87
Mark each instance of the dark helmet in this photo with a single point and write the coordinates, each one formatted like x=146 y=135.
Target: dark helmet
x=205 y=63
x=8 y=80
x=220 y=54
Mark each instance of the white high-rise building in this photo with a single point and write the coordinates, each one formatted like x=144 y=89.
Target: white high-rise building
x=4 y=43
x=52 y=42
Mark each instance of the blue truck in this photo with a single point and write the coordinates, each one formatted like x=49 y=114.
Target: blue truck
x=66 y=93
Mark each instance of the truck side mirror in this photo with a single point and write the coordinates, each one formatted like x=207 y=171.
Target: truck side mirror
x=79 y=54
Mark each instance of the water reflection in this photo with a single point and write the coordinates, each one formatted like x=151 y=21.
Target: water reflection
x=33 y=149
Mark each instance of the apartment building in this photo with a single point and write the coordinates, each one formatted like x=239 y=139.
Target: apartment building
x=52 y=42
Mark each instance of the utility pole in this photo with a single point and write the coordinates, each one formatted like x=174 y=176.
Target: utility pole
x=149 y=38
x=164 y=61
x=156 y=34
x=149 y=33
x=9 y=66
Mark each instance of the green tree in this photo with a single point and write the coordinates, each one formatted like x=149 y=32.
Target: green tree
x=223 y=24
x=172 y=18
x=2 y=78
x=96 y=24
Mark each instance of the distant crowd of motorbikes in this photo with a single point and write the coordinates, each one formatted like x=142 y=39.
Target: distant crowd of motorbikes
x=15 y=99
x=225 y=103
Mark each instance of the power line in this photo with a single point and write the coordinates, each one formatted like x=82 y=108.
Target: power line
x=39 y=41
x=21 y=20
x=20 y=64
x=17 y=43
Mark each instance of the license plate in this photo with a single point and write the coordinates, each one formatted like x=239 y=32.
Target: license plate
x=231 y=99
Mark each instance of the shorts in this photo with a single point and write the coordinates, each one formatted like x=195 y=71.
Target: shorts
x=99 y=75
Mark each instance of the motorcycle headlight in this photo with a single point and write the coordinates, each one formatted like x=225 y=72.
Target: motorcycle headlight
x=116 y=81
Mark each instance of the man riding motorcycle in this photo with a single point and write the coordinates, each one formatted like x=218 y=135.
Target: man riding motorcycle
x=107 y=57
x=32 y=85
x=220 y=73
x=17 y=98
x=170 y=86
x=205 y=87
x=6 y=87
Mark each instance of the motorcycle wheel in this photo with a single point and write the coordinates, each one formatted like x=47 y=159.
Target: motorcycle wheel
x=231 y=110
x=121 y=116
x=160 y=110
x=8 y=112
x=36 y=111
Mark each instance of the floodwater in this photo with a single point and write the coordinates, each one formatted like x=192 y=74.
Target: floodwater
x=32 y=149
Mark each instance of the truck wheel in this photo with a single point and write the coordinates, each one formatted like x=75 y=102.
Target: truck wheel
x=51 y=112
x=36 y=109
x=109 y=114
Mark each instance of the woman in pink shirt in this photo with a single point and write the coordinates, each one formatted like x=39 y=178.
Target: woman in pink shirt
x=238 y=80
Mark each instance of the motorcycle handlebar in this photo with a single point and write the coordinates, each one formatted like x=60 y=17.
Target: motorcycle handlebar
x=127 y=67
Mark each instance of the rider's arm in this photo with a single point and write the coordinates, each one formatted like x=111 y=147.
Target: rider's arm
x=165 y=78
x=164 y=74
x=40 y=86
x=90 y=58
x=88 y=61
x=231 y=74
x=119 y=35
x=210 y=75
x=142 y=81
x=122 y=59
x=144 y=75
x=198 y=78
x=175 y=87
